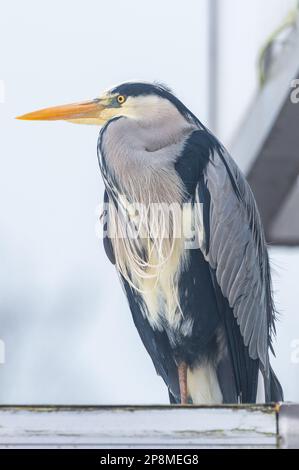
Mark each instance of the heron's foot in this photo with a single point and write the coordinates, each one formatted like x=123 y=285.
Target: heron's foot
x=182 y=371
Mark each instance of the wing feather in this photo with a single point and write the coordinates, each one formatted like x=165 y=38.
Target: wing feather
x=238 y=253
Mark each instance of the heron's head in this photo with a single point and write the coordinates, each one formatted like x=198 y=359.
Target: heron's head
x=144 y=102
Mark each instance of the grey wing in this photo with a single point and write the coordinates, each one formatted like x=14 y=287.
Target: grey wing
x=237 y=252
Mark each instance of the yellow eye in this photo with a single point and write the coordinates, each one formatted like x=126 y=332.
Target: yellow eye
x=121 y=99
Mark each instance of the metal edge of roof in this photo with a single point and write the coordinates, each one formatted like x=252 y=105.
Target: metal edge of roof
x=266 y=106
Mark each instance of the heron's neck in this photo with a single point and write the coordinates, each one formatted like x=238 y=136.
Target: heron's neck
x=161 y=128
x=148 y=141
x=140 y=155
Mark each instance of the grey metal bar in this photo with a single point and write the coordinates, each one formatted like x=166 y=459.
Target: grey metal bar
x=288 y=426
x=213 y=62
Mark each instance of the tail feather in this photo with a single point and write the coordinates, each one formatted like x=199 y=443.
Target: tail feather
x=203 y=385
x=275 y=387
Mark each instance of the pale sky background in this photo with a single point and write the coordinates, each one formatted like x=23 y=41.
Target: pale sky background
x=63 y=316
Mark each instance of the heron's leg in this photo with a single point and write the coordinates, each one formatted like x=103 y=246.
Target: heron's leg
x=182 y=371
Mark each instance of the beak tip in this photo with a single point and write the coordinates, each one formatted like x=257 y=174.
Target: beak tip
x=23 y=117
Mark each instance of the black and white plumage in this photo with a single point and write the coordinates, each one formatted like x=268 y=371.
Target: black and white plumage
x=204 y=311
x=227 y=280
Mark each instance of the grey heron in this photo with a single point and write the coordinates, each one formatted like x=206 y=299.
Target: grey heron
x=200 y=297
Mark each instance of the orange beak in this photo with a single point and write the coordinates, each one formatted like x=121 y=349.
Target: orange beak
x=88 y=112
